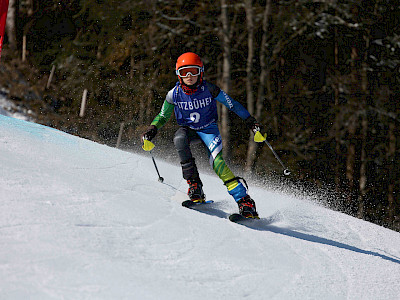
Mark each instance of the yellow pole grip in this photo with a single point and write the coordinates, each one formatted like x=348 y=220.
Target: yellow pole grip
x=259 y=138
x=147 y=145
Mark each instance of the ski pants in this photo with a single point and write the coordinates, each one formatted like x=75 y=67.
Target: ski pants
x=211 y=138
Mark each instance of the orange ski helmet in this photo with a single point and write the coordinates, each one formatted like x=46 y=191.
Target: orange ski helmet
x=189 y=59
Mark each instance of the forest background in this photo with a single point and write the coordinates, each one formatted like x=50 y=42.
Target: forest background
x=321 y=76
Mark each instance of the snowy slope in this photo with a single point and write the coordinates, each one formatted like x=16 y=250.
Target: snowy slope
x=79 y=220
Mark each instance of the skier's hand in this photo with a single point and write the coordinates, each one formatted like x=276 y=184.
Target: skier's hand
x=254 y=126
x=150 y=133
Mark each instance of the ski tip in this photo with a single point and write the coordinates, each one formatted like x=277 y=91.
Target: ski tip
x=190 y=203
x=238 y=218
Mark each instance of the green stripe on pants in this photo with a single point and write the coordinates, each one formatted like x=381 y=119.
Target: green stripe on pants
x=223 y=172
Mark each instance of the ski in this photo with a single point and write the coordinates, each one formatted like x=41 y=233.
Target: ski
x=190 y=203
x=239 y=218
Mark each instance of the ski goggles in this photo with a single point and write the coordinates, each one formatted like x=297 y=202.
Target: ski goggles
x=192 y=70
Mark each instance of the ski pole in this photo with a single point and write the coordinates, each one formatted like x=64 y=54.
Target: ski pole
x=258 y=137
x=286 y=171
x=160 y=179
x=148 y=146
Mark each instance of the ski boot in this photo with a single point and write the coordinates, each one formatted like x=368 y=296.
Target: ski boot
x=195 y=191
x=247 y=208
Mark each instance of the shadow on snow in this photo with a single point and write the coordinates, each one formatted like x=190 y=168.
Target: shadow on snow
x=265 y=224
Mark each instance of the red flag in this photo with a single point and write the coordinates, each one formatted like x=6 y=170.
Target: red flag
x=3 y=17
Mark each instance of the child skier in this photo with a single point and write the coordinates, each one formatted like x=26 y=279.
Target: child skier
x=194 y=102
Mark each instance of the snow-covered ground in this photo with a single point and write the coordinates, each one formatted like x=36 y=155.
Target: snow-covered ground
x=79 y=220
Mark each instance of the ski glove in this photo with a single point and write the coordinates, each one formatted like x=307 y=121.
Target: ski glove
x=150 y=133
x=252 y=124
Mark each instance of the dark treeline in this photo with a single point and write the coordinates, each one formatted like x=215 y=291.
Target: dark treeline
x=321 y=76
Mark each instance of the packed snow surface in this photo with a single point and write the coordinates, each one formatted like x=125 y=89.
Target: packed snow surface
x=79 y=220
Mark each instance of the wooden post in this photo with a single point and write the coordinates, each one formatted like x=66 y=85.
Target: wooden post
x=121 y=130
x=83 y=104
x=53 y=68
x=24 y=48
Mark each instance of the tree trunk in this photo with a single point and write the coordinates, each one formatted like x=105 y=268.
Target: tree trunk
x=363 y=167
x=352 y=128
x=252 y=146
x=265 y=80
x=350 y=162
x=391 y=186
x=256 y=109
x=142 y=102
x=11 y=27
x=337 y=124
x=264 y=74
x=226 y=77
x=364 y=124
x=30 y=7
